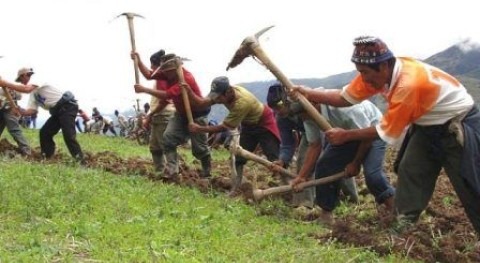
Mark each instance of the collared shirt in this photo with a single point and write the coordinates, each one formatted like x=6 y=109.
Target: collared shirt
x=45 y=96
x=418 y=94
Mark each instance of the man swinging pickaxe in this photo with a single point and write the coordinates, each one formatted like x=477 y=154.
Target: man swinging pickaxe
x=251 y=47
x=130 y=17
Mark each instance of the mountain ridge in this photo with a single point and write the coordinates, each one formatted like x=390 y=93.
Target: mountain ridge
x=460 y=60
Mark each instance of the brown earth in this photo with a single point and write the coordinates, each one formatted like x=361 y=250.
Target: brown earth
x=443 y=233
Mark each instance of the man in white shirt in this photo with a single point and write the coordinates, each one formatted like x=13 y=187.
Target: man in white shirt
x=63 y=110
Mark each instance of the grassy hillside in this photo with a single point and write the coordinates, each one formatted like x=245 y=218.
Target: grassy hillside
x=61 y=212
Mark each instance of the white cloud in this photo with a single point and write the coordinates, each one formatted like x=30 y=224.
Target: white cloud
x=468 y=45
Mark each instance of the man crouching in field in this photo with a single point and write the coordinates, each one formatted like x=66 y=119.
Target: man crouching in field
x=63 y=110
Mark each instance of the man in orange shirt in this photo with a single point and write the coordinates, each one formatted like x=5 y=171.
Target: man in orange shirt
x=442 y=122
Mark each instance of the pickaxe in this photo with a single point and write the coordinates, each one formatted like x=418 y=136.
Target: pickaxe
x=251 y=47
x=259 y=194
x=132 y=41
x=182 y=83
x=176 y=62
x=236 y=149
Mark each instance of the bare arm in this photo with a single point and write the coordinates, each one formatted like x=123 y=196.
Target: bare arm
x=28 y=112
x=198 y=101
x=311 y=156
x=328 y=97
x=154 y=92
x=160 y=106
x=146 y=72
x=353 y=168
x=337 y=136
x=17 y=86
x=195 y=128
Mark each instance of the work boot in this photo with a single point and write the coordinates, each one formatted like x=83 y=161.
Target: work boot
x=158 y=161
x=206 y=166
x=349 y=188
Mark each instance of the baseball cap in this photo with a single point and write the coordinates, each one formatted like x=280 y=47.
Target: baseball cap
x=219 y=86
x=24 y=71
x=276 y=95
x=370 y=50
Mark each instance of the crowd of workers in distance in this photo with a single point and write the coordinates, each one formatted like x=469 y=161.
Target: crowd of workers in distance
x=430 y=116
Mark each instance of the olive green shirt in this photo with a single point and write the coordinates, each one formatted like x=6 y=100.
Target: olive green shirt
x=245 y=109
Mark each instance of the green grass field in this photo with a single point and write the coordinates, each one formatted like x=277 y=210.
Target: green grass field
x=63 y=213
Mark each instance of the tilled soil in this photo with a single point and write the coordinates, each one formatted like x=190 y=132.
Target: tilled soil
x=443 y=233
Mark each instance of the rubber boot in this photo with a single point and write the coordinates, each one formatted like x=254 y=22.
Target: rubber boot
x=206 y=166
x=349 y=188
x=158 y=161
x=171 y=170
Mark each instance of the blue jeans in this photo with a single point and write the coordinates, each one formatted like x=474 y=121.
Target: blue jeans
x=334 y=159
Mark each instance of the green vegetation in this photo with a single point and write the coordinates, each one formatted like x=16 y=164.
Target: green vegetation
x=65 y=213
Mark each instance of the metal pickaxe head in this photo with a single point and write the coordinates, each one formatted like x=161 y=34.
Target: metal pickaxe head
x=129 y=15
x=245 y=49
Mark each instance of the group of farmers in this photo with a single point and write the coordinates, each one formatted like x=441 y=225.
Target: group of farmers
x=430 y=117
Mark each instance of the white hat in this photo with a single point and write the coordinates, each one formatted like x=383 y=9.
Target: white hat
x=23 y=71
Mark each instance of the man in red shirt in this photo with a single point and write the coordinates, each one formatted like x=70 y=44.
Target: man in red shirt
x=177 y=132
x=160 y=111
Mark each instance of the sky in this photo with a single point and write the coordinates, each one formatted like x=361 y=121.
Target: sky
x=77 y=45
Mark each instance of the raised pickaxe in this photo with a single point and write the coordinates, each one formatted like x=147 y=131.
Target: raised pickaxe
x=132 y=41
x=251 y=47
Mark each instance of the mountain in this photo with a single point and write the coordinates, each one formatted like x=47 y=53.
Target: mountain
x=462 y=60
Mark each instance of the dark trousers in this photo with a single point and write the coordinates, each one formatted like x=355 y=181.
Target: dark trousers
x=430 y=149
x=252 y=136
x=63 y=118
